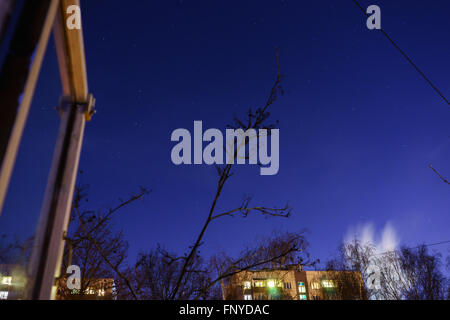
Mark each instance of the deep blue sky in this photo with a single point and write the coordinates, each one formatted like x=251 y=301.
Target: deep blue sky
x=358 y=125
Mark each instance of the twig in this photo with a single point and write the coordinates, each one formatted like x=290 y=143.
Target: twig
x=245 y=211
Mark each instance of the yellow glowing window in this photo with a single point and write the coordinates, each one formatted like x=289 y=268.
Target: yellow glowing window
x=90 y=291
x=101 y=292
x=247 y=285
x=302 y=297
x=271 y=283
x=328 y=284
x=259 y=284
x=7 y=280
x=315 y=285
x=302 y=289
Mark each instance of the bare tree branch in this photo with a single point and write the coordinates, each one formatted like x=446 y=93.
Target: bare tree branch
x=104 y=256
x=93 y=245
x=244 y=210
x=254 y=121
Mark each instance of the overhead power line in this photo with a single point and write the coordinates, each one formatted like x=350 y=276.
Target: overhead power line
x=416 y=247
x=406 y=56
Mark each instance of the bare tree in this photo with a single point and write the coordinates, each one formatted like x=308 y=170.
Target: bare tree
x=156 y=272
x=7 y=250
x=353 y=257
x=92 y=244
x=14 y=251
x=448 y=278
x=422 y=271
x=254 y=120
x=410 y=274
x=405 y=274
x=160 y=274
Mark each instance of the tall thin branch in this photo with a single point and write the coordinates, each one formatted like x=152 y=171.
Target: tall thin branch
x=260 y=116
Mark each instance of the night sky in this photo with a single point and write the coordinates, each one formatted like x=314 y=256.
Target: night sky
x=358 y=125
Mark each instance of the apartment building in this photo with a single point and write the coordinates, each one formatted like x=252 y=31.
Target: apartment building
x=12 y=281
x=294 y=283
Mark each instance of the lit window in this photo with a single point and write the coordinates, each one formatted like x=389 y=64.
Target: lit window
x=271 y=283
x=301 y=287
x=7 y=280
x=315 y=285
x=101 y=292
x=3 y=295
x=259 y=284
x=90 y=291
x=247 y=297
x=328 y=284
x=302 y=297
x=247 y=285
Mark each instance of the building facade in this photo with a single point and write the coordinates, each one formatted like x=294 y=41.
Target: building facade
x=294 y=283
